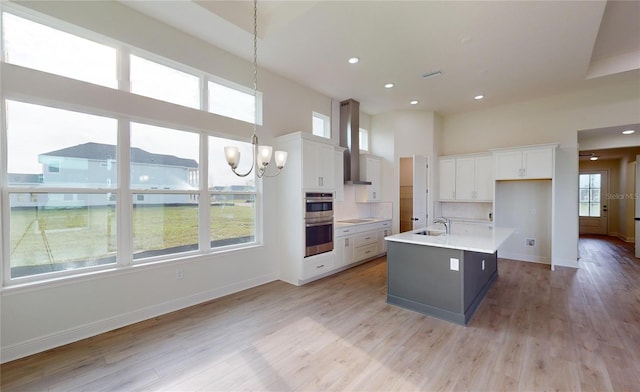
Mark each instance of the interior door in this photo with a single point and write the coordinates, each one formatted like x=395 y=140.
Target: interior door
x=420 y=194
x=593 y=203
x=406 y=194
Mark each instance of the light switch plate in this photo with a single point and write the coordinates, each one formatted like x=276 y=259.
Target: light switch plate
x=454 y=264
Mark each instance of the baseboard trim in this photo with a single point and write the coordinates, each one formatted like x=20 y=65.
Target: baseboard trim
x=523 y=257
x=564 y=262
x=57 y=339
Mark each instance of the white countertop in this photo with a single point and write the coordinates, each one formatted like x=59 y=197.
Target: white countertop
x=464 y=236
x=339 y=224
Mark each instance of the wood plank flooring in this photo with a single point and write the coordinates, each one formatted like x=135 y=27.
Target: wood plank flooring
x=536 y=330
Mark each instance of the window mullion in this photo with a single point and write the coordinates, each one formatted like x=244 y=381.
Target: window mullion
x=5 y=239
x=124 y=69
x=124 y=209
x=204 y=199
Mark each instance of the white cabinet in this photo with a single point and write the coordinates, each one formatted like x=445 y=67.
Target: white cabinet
x=447 y=179
x=382 y=244
x=310 y=168
x=466 y=178
x=318 y=165
x=524 y=163
x=370 y=170
x=356 y=243
x=317 y=265
x=339 y=173
x=343 y=246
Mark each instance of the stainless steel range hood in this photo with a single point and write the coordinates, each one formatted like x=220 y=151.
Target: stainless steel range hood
x=350 y=139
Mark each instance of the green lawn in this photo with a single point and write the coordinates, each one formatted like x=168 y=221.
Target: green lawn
x=48 y=236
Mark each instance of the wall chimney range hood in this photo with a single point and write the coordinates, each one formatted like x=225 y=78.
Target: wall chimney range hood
x=350 y=139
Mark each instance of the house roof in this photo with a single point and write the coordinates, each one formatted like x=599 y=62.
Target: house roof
x=102 y=152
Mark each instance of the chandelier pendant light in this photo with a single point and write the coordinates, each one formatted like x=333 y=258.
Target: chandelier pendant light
x=261 y=154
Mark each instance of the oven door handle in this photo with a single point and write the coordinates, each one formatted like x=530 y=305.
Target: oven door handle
x=316 y=224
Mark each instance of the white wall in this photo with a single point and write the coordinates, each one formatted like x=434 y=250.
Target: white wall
x=603 y=102
x=402 y=134
x=38 y=317
x=526 y=207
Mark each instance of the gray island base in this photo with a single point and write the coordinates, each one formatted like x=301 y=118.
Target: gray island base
x=445 y=275
x=424 y=279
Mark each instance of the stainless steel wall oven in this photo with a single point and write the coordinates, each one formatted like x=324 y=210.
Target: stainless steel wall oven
x=318 y=221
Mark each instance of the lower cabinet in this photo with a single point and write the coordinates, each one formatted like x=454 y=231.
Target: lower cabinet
x=351 y=244
x=317 y=265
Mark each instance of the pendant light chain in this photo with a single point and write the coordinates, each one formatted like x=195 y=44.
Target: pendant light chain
x=255 y=64
x=261 y=154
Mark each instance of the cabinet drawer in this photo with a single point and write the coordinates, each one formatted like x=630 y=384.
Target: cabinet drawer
x=316 y=265
x=344 y=231
x=361 y=239
x=365 y=252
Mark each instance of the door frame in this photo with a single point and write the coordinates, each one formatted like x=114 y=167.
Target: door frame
x=605 y=206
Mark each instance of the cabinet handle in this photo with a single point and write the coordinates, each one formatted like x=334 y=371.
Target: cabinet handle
x=367 y=252
x=320 y=266
x=374 y=195
x=346 y=242
x=367 y=238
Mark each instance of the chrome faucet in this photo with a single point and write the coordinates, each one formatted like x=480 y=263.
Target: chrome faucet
x=446 y=222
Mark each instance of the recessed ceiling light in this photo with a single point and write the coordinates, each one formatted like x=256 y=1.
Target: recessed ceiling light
x=478 y=97
x=389 y=85
x=353 y=60
x=414 y=102
x=594 y=158
x=628 y=131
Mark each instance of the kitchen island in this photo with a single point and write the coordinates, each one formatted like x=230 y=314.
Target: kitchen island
x=445 y=275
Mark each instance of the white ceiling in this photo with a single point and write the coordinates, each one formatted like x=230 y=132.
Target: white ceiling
x=506 y=50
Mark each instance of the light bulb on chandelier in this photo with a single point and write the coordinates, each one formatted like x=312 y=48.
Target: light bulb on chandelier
x=261 y=154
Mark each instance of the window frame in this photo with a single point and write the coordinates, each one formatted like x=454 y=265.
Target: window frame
x=363 y=131
x=122 y=191
x=326 y=124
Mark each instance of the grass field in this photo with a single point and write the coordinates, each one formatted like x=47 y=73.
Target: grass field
x=49 y=236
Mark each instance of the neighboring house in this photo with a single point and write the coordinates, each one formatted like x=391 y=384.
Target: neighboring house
x=94 y=165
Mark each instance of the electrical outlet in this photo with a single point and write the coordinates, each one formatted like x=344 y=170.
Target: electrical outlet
x=179 y=274
x=531 y=242
x=454 y=264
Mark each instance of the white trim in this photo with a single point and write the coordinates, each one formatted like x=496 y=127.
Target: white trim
x=32 y=346
x=524 y=257
x=564 y=262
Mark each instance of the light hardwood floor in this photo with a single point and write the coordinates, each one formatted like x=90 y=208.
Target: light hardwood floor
x=536 y=330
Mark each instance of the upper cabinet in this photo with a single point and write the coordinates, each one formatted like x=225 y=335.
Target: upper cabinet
x=525 y=163
x=318 y=165
x=466 y=178
x=370 y=170
x=447 y=179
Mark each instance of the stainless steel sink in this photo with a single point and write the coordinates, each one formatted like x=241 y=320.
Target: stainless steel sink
x=431 y=233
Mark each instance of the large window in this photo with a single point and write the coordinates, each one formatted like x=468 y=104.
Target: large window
x=234 y=103
x=74 y=177
x=40 y=47
x=590 y=189
x=165 y=178
x=50 y=149
x=232 y=198
x=158 y=81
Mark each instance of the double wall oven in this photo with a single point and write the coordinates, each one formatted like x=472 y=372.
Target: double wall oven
x=318 y=222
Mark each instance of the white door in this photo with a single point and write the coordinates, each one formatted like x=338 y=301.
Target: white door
x=637 y=212
x=419 y=191
x=593 y=203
